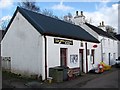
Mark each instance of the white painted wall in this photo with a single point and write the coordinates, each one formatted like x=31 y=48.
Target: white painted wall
x=109 y=45
x=24 y=45
x=118 y=48
x=97 y=57
x=53 y=52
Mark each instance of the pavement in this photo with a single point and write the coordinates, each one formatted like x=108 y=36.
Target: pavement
x=83 y=81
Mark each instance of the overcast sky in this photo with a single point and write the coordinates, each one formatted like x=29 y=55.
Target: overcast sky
x=95 y=10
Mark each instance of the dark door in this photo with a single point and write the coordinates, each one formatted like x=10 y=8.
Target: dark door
x=109 y=58
x=63 y=56
x=81 y=60
x=92 y=55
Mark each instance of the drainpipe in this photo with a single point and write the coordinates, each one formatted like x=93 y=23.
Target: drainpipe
x=102 y=48
x=86 y=58
x=45 y=57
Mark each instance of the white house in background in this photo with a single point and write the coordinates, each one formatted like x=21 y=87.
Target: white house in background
x=118 y=37
x=107 y=50
x=34 y=42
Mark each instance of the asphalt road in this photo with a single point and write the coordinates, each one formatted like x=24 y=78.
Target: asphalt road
x=106 y=81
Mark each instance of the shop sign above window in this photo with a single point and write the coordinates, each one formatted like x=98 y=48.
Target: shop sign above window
x=63 y=41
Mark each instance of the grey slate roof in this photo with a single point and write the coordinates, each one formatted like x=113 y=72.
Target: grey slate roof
x=100 y=31
x=54 y=27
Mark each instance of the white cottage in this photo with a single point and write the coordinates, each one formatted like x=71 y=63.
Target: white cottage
x=118 y=37
x=34 y=42
x=106 y=50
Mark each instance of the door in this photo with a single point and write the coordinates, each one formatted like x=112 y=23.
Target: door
x=81 y=60
x=109 y=58
x=63 y=56
x=92 y=55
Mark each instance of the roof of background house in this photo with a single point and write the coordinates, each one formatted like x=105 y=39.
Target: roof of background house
x=100 y=31
x=118 y=36
x=54 y=27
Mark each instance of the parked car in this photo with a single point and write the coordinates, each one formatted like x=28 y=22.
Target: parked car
x=117 y=64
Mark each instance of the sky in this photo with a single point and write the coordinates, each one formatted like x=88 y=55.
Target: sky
x=94 y=10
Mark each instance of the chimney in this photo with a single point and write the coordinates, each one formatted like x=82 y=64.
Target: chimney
x=76 y=13
x=82 y=13
x=103 y=23
x=100 y=24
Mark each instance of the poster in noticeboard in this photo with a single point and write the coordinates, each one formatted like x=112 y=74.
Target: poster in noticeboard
x=73 y=59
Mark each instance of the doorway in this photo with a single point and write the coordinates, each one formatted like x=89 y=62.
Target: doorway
x=92 y=56
x=81 y=60
x=63 y=56
x=109 y=58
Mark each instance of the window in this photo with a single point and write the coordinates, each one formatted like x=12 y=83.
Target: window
x=81 y=44
x=63 y=56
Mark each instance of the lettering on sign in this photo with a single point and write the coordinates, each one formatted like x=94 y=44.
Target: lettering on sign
x=63 y=41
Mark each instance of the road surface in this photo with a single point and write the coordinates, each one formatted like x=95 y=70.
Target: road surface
x=107 y=81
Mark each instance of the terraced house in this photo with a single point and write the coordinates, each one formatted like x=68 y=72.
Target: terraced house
x=107 y=49
x=33 y=43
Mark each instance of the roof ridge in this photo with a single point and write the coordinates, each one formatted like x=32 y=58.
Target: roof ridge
x=101 y=30
x=46 y=15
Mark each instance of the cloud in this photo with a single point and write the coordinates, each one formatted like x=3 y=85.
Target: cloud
x=107 y=14
x=5 y=18
x=4 y=21
x=62 y=7
x=6 y=3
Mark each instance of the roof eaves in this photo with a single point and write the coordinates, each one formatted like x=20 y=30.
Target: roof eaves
x=69 y=37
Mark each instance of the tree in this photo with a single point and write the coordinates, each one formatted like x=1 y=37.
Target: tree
x=49 y=13
x=69 y=15
x=110 y=30
x=32 y=6
x=29 y=5
x=68 y=18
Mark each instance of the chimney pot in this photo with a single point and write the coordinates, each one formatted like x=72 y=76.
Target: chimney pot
x=76 y=13
x=81 y=13
x=102 y=23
